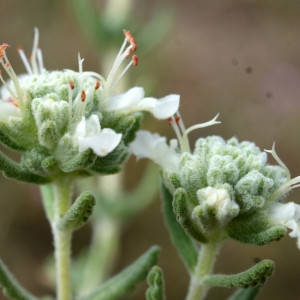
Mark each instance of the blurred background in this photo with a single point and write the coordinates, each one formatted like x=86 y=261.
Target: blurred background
x=239 y=58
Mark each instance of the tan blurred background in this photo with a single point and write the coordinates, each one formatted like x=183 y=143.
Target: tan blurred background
x=240 y=58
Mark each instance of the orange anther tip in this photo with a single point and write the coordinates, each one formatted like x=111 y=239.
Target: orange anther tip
x=83 y=95
x=135 y=60
x=71 y=83
x=7 y=65
x=127 y=35
x=177 y=119
x=133 y=44
x=19 y=47
x=97 y=84
x=169 y=121
x=128 y=53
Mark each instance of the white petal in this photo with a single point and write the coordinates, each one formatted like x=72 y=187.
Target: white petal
x=93 y=126
x=154 y=147
x=145 y=143
x=80 y=130
x=124 y=103
x=162 y=108
x=101 y=144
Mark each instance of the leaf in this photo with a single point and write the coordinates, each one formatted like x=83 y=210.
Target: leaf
x=184 y=244
x=78 y=214
x=155 y=279
x=11 y=286
x=127 y=279
x=12 y=170
x=252 y=277
x=248 y=294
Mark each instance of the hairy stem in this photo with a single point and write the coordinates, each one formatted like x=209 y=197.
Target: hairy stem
x=206 y=259
x=62 y=238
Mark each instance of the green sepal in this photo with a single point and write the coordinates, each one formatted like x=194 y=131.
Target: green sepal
x=129 y=136
x=11 y=287
x=180 y=207
x=256 y=275
x=183 y=243
x=12 y=170
x=246 y=294
x=78 y=214
x=106 y=170
x=155 y=279
x=49 y=164
x=8 y=142
x=68 y=157
x=127 y=279
x=253 y=229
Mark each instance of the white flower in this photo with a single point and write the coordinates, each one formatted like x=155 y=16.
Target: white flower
x=133 y=100
x=154 y=147
x=287 y=215
x=89 y=135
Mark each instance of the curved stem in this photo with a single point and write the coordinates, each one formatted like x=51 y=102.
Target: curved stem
x=206 y=259
x=62 y=238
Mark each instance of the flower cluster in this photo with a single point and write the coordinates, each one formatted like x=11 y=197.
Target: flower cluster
x=223 y=186
x=68 y=121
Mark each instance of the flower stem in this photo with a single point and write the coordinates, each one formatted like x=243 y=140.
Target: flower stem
x=206 y=259
x=62 y=238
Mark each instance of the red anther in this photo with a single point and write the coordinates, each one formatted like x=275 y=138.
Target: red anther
x=1 y=55
x=83 y=94
x=127 y=35
x=133 y=44
x=170 y=121
x=135 y=60
x=177 y=119
x=4 y=46
x=97 y=84
x=19 y=47
x=7 y=65
x=71 y=83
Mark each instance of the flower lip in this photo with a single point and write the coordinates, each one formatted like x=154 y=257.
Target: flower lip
x=133 y=100
x=88 y=134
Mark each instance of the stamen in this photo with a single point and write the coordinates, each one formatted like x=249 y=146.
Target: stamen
x=82 y=96
x=25 y=60
x=133 y=44
x=40 y=59
x=128 y=35
x=71 y=83
x=3 y=47
x=34 y=51
x=7 y=87
x=135 y=60
x=11 y=100
x=97 y=85
x=181 y=124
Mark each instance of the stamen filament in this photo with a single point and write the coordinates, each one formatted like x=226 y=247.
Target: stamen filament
x=8 y=88
x=25 y=61
x=40 y=60
x=34 y=51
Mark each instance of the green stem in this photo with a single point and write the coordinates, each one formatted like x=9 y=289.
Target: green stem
x=206 y=259
x=62 y=238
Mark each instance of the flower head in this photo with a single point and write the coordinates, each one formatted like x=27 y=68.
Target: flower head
x=74 y=115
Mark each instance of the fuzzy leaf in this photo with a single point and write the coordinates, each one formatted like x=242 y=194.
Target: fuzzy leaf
x=248 y=294
x=79 y=213
x=180 y=207
x=12 y=170
x=252 y=277
x=11 y=286
x=127 y=279
x=8 y=142
x=184 y=244
x=156 y=288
